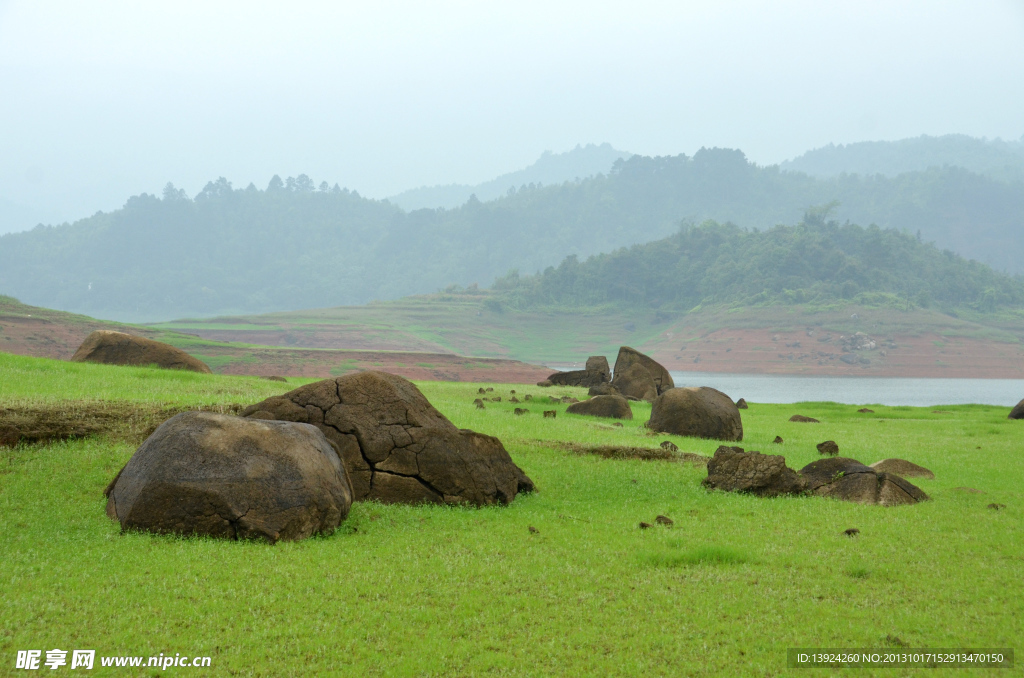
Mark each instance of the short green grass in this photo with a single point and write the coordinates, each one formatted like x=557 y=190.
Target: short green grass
x=442 y=591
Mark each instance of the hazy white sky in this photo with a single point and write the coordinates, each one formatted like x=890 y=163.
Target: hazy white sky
x=102 y=100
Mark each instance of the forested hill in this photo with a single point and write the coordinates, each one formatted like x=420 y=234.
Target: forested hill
x=295 y=245
x=550 y=168
x=816 y=262
x=994 y=158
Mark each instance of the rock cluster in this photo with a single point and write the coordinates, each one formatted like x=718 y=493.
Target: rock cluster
x=395 y=446
x=734 y=470
x=117 y=348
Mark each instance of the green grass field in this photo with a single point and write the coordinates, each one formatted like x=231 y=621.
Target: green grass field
x=441 y=591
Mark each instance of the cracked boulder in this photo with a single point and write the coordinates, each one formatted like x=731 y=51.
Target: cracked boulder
x=698 y=412
x=223 y=476
x=396 y=447
x=117 y=348
x=764 y=475
x=850 y=480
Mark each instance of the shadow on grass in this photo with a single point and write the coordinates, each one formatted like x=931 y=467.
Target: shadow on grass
x=700 y=555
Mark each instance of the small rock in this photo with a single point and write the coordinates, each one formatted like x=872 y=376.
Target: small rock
x=513 y=399
x=664 y=520
x=670 y=446
x=829 y=448
x=802 y=418
x=996 y=507
x=865 y=410
x=550 y=414
x=778 y=440
x=533 y=530
x=617 y=423
x=545 y=384
x=513 y=391
x=479 y=404
x=527 y=397
x=741 y=404
x=852 y=532
x=644 y=526
x=496 y=399
x=520 y=410
x=490 y=388
x=481 y=390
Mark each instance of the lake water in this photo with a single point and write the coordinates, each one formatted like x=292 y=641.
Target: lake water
x=770 y=388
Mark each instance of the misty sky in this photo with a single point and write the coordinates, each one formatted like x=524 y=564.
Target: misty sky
x=102 y=100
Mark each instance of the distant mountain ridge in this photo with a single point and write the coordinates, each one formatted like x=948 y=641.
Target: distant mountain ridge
x=995 y=158
x=551 y=168
x=293 y=245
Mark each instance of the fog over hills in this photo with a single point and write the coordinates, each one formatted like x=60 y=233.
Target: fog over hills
x=991 y=157
x=551 y=168
x=297 y=244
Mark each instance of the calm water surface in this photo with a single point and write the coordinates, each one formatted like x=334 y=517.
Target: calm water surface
x=768 y=388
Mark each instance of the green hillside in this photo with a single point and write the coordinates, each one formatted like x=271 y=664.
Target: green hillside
x=817 y=262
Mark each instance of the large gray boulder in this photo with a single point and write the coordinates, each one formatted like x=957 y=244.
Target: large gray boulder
x=699 y=412
x=396 y=446
x=117 y=348
x=223 y=476
x=599 y=364
x=631 y=382
x=850 y=480
x=1018 y=411
x=764 y=475
x=613 y=406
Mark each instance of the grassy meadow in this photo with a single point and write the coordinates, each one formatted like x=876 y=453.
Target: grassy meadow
x=443 y=591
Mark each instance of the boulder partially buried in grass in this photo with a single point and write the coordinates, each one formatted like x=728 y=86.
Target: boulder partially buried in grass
x=902 y=468
x=223 y=476
x=396 y=447
x=1018 y=411
x=117 y=348
x=699 y=412
x=639 y=375
x=850 y=480
x=612 y=406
